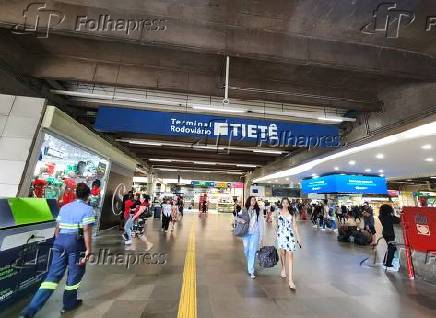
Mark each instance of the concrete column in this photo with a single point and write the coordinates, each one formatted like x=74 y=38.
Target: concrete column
x=20 y=119
x=150 y=183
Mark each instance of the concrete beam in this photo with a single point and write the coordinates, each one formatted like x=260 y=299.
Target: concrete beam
x=280 y=33
x=191 y=82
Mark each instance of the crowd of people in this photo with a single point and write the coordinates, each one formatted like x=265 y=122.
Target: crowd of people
x=323 y=215
x=137 y=208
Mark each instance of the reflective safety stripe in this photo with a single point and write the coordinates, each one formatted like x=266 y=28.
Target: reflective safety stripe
x=88 y=220
x=49 y=285
x=69 y=226
x=72 y=287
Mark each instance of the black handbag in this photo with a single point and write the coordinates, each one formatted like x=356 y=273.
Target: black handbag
x=268 y=256
x=242 y=224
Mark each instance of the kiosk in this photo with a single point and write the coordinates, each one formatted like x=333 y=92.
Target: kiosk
x=26 y=236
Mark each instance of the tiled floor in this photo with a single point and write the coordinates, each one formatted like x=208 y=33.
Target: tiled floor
x=330 y=281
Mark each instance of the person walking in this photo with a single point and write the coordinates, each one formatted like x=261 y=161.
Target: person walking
x=254 y=238
x=166 y=215
x=72 y=241
x=388 y=219
x=129 y=212
x=141 y=210
x=369 y=223
x=316 y=208
x=287 y=239
x=180 y=205
x=174 y=214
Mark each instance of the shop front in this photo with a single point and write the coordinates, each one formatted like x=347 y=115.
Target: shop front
x=61 y=165
x=66 y=153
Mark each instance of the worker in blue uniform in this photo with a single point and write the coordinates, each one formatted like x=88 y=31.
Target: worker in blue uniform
x=71 y=248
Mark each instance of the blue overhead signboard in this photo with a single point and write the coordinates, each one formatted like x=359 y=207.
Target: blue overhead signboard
x=264 y=132
x=345 y=184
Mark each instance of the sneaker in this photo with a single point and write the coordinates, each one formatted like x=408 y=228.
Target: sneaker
x=314 y=226
x=77 y=305
x=392 y=269
x=252 y=276
x=124 y=236
x=128 y=242
x=322 y=229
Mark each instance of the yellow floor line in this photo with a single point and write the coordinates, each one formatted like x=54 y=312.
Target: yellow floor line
x=188 y=295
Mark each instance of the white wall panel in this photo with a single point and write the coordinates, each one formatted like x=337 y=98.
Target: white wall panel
x=19 y=124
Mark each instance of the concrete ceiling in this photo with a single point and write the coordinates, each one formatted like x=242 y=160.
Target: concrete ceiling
x=308 y=52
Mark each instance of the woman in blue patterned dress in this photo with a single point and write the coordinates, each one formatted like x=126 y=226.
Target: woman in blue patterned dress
x=287 y=239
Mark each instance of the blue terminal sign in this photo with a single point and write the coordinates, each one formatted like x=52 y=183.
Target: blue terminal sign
x=264 y=132
x=352 y=184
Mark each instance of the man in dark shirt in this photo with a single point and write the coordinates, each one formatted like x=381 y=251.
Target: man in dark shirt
x=368 y=221
x=388 y=219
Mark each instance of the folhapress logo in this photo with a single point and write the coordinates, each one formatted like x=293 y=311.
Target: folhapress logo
x=38 y=20
x=387 y=18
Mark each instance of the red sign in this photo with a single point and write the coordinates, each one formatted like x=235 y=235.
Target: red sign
x=420 y=227
x=393 y=193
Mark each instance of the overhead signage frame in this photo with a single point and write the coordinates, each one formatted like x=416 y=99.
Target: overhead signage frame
x=262 y=132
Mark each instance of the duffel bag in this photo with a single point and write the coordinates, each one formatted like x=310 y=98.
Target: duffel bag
x=268 y=256
x=362 y=237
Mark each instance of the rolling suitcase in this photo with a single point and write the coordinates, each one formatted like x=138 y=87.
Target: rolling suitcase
x=157 y=212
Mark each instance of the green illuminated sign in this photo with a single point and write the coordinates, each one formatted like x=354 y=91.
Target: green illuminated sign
x=30 y=210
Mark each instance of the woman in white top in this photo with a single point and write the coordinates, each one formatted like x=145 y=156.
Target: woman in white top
x=166 y=215
x=287 y=239
x=254 y=238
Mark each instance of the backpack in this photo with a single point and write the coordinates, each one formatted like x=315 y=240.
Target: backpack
x=362 y=237
x=345 y=232
x=268 y=256
x=242 y=224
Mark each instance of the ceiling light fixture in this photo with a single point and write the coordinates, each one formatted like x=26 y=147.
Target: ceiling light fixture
x=426 y=147
x=368 y=170
x=161 y=160
x=380 y=156
x=246 y=165
x=381 y=171
x=429 y=159
x=145 y=143
x=352 y=162
x=205 y=163
x=219 y=110
x=336 y=168
x=275 y=152
x=333 y=119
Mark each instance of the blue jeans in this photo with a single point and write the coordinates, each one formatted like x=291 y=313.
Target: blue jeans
x=128 y=227
x=66 y=252
x=251 y=243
